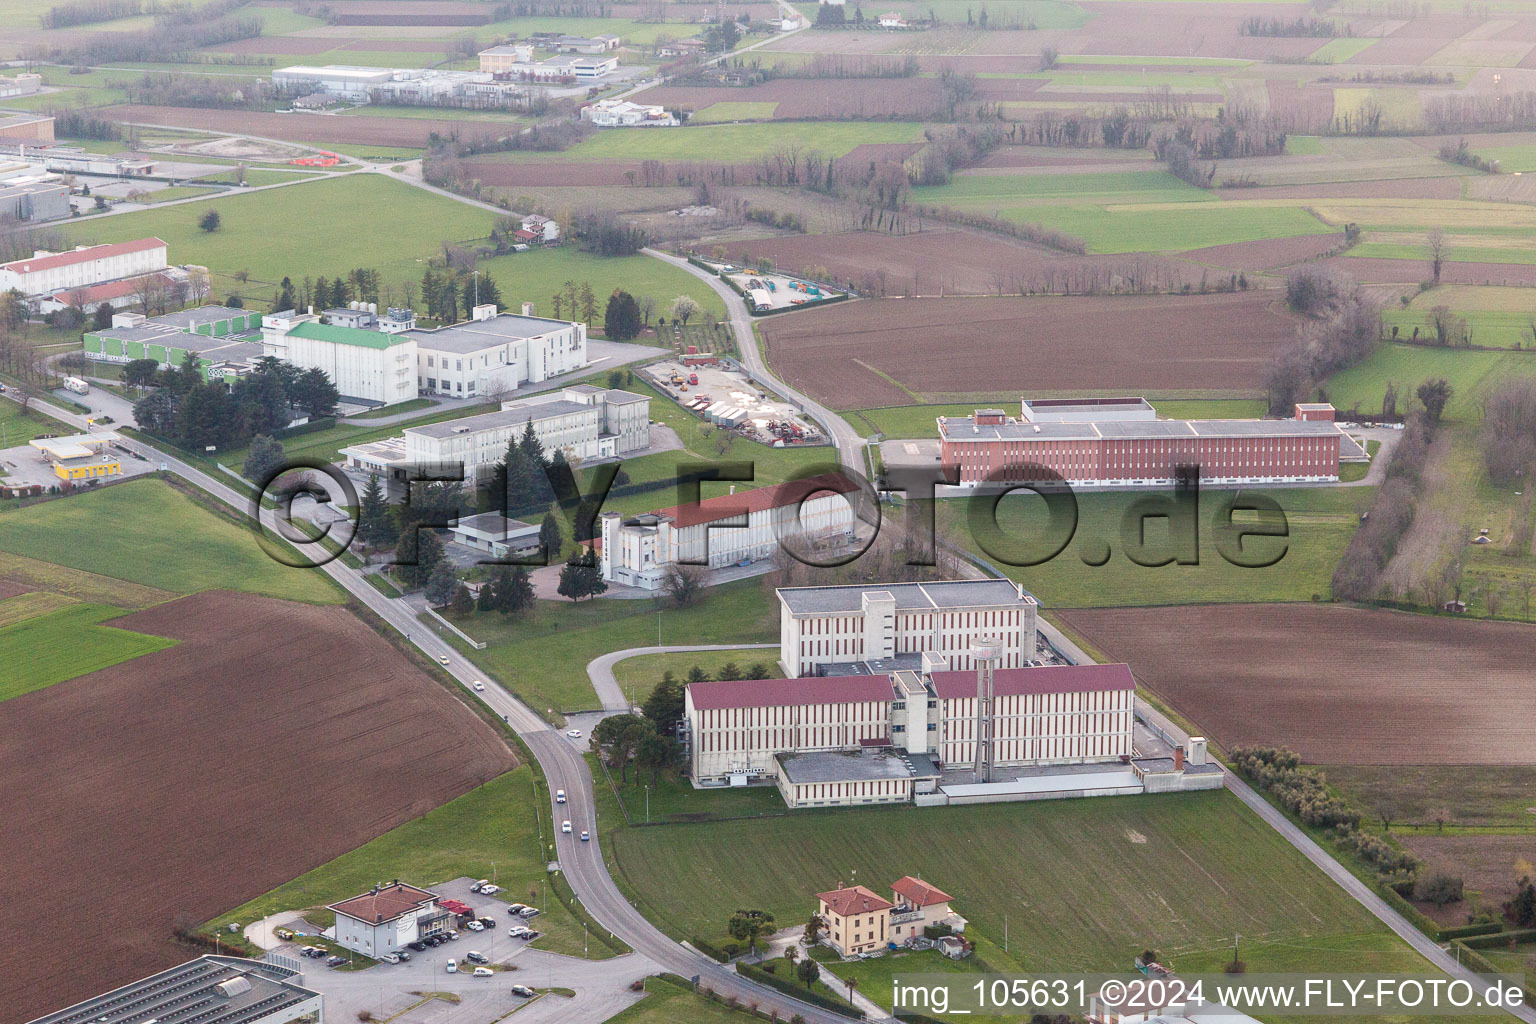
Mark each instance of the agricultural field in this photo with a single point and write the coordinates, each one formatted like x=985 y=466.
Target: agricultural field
x=740 y=143
x=333 y=241
x=42 y=649
x=1421 y=690
x=898 y=352
x=152 y=534
x=247 y=714
x=1319 y=523
x=1496 y=317
x=1083 y=883
x=536 y=275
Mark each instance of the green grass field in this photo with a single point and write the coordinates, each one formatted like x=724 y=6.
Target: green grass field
x=717 y=113
x=30 y=605
x=1336 y=51
x=50 y=648
x=644 y=671
x=310 y=228
x=536 y=275
x=18 y=427
x=1085 y=884
x=1498 y=317
x=641 y=801
x=738 y=143
x=1470 y=373
x=491 y=830
x=668 y=1003
x=543 y=658
x=150 y=533
x=1320 y=522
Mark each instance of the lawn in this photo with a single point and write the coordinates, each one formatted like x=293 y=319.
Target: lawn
x=319 y=227
x=874 y=978
x=728 y=111
x=491 y=831
x=1156 y=227
x=738 y=143
x=642 y=672
x=668 y=1003
x=50 y=648
x=150 y=533
x=1320 y=521
x=1497 y=317
x=675 y=799
x=1084 y=884
x=1470 y=373
x=536 y=275
x=543 y=658
x=17 y=427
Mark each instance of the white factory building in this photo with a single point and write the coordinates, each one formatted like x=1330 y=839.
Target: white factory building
x=725 y=530
x=497 y=352
x=365 y=365
x=821 y=626
x=209 y=990
x=387 y=918
x=44 y=272
x=624 y=114
x=343 y=80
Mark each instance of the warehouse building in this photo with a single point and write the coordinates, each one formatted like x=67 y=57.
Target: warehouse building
x=224 y=340
x=638 y=550
x=44 y=272
x=33 y=198
x=341 y=80
x=623 y=113
x=1121 y=443
x=496 y=535
x=826 y=630
x=388 y=918
x=208 y=990
x=24 y=127
x=365 y=365
x=497 y=352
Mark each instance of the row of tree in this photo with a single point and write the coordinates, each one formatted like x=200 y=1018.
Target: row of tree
x=193 y=412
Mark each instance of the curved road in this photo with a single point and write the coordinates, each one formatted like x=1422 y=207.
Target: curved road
x=600 y=669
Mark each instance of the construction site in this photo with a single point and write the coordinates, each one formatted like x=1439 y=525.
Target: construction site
x=716 y=390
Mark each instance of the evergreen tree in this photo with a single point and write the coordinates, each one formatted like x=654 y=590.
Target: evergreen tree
x=487 y=599
x=441 y=583
x=664 y=707
x=581 y=578
x=588 y=302
x=262 y=458
x=463 y=603
x=375 y=526
x=621 y=319
x=417 y=554
x=520 y=592
x=550 y=538
x=533 y=449
x=101 y=317
x=314 y=394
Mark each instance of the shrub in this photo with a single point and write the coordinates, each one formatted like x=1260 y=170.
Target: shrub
x=1439 y=889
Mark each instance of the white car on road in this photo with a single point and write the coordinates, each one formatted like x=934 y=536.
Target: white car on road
x=559 y=796
x=565 y=826
x=477 y=684
x=574 y=734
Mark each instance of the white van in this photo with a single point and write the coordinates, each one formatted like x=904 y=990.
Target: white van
x=453 y=967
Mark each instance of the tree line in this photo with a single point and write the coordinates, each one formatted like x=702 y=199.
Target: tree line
x=193 y=412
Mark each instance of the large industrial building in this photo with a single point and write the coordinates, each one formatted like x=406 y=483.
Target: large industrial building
x=44 y=272
x=741 y=526
x=939 y=704
x=341 y=80
x=224 y=340
x=1120 y=442
x=208 y=990
x=823 y=630
x=583 y=421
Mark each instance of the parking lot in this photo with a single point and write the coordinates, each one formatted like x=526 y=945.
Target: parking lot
x=768 y=420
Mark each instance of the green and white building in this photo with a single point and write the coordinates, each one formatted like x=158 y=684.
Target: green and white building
x=225 y=341
x=365 y=365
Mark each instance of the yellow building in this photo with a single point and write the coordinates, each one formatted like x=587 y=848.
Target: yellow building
x=857 y=920
x=80 y=456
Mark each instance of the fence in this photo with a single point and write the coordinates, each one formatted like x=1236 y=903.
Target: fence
x=478 y=645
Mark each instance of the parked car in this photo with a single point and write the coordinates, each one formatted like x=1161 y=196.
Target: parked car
x=389 y=958
x=475 y=926
x=522 y=990
x=484 y=972
x=518 y=931
x=529 y=912
x=474 y=956
x=565 y=826
x=335 y=961
x=515 y=908
x=490 y=890
x=559 y=796
x=402 y=954
x=453 y=966
x=283 y=933
x=532 y=934
x=453 y=936
x=418 y=946
x=485 y=922
x=477 y=886
x=584 y=835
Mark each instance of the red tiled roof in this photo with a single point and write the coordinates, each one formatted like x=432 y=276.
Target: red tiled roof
x=1041 y=679
x=857 y=900
x=33 y=264
x=103 y=292
x=918 y=892
x=385 y=905
x=758 y=499
x=749 y=693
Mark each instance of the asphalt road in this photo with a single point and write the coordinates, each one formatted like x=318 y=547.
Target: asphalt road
x=600 y=669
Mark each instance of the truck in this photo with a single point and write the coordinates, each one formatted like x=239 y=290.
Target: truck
x=77 y=385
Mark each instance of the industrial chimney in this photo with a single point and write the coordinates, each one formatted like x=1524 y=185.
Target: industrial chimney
x=986 y=654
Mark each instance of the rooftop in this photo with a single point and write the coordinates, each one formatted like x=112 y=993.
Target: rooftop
x=752 y=693
x=384 y=903
x=843 y=766
x=193 y=992
x=918 y=892
x=1095 y=408
x=1008 y=682
x=516 y=415
x=965 y=428
x=496 y=525
x=478 y=335
x=949 y=594
x=759 y=499
x=337 y=71
x=52 y=261
x=347 y=335
x=190 y=319
x=856 y=900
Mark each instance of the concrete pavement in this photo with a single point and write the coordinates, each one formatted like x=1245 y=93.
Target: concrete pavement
x=600 y=669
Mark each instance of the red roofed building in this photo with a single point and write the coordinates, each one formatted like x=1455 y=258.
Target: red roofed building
x=918 y=906
x=857 y=919
x=726 y=529
x=46 y=272
x=119 y=294
x=387 y=918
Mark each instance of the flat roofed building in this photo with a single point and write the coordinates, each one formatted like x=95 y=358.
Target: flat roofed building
x=858 y=920
x=727 y=529
x=335 y=79
x=387 y=918
x=44 y=272
x=208 y=990
x=494 y=352
x=986 y=449
x=1085 y=410
x=367 y=365
x=496 y=535
x=877 y=622
x=34 y=198
x=24 y=127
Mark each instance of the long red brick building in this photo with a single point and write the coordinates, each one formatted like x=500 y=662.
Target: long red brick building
x=1120 y=442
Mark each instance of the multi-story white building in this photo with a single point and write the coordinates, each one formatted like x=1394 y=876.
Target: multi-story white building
x=44 y=272
x=388 y=918
x=367 y=365
x=724 y=530
x=623 y=113
x=496 y=352
x=840 y=625
x=343 y=80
